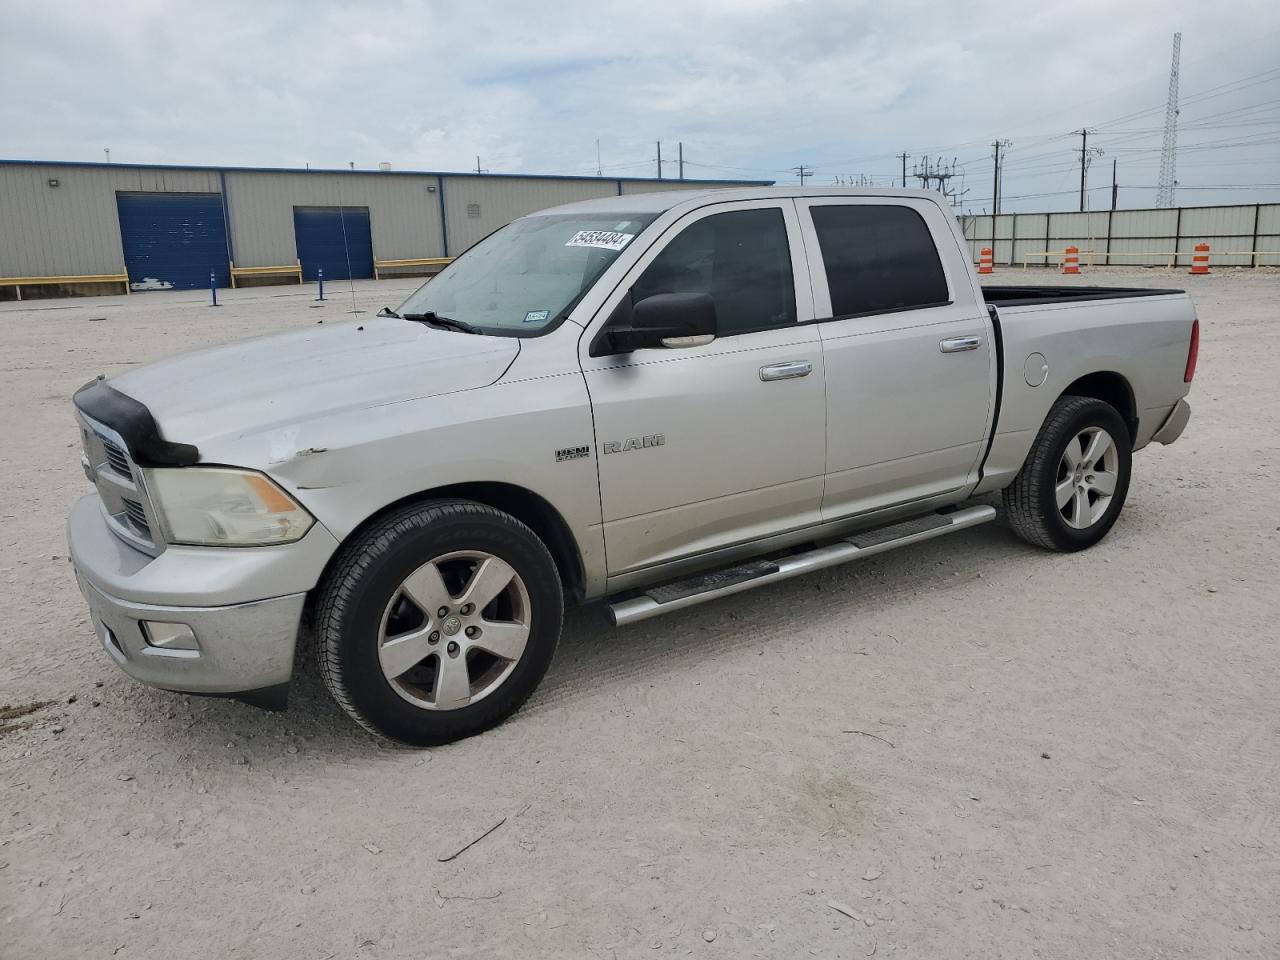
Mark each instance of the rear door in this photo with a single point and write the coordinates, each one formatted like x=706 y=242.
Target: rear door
x=706 y=447
x=909 y=359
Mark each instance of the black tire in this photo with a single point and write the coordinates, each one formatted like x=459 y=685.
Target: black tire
x=366 y=576
x=1030 y=503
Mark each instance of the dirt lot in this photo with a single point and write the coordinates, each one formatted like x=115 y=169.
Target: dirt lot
x=976 y=748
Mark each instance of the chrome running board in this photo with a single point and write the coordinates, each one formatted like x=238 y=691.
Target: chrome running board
x=757 y=573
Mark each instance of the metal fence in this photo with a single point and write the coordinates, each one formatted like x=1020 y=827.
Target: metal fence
x=1243 y=235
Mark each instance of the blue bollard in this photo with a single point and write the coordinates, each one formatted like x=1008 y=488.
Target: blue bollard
x=213 y=288
x=320 y=277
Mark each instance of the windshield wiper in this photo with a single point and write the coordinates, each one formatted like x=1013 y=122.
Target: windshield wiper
x=388 y=312
x=444 y=323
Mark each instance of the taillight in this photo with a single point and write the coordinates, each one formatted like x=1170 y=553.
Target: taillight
x=1193 y=352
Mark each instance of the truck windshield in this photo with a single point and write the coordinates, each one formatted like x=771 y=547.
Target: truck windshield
x=524 y=278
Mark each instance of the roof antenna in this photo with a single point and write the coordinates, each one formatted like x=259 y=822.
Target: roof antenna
x=346 y=249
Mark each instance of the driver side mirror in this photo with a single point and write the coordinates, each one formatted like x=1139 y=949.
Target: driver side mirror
x=671 y=320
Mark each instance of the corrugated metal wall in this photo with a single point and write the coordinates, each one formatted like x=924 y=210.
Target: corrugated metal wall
x=475 y=206
x=73 y=229
x=1136 y=237
x=404 y=212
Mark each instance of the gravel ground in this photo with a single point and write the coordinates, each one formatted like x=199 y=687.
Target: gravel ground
x=969 y=748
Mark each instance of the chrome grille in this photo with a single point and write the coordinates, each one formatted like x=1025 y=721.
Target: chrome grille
x=125 y=504
x=137 y=516
x=117 y=459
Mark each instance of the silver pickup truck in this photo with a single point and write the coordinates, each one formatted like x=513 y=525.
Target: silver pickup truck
x=654 y=400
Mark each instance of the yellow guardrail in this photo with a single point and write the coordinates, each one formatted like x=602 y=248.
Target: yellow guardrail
x=1086 y=256
x=19 y=282
x=285 y=270
x=1169 y=256
x=380 y=265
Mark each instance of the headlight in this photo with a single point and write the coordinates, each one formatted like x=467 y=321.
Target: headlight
x=221 y=507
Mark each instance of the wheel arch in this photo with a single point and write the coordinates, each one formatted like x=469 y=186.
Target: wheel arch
x=1111 y=388
x=529 y=508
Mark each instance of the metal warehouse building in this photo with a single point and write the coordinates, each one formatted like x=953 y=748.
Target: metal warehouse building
x=84 y=226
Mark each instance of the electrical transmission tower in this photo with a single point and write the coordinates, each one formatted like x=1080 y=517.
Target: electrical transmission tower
x=1169 y=149
x=933 y=174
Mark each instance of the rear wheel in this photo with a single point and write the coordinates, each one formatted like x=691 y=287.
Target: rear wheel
x=1074 y=483
x=438 y=621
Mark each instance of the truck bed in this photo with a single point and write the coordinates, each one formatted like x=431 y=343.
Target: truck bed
x=1016 y=296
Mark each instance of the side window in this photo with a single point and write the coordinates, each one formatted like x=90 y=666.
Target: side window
x=878 y=259
x=741 y=258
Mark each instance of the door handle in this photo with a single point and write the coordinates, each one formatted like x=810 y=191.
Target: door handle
x=786 y=371
x=959 y=344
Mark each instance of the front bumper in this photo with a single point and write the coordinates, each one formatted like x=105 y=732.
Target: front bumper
x=243 y=640
x=247 y=647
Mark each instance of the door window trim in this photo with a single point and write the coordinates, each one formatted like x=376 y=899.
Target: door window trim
x=927 y=212
x=796 y=246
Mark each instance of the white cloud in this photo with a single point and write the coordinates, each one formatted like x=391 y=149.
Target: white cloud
x=752 y=88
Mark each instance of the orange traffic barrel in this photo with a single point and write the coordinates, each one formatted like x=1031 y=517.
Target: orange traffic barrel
x=1071 y=260
x=1200 y=262
x=984 y=261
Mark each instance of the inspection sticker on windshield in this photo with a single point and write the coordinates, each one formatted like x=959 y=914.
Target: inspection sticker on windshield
x=604 y=239
x=536 y=316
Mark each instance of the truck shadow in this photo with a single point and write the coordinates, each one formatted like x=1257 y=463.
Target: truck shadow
x=595 y=655
x=597 y=658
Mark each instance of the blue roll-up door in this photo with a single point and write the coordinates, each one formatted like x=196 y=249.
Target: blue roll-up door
x=332 y=237
x=173 y=241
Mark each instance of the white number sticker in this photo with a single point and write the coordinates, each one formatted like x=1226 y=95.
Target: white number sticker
x=604 y=239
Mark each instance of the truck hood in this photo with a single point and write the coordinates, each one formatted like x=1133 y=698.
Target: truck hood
x=264 y=384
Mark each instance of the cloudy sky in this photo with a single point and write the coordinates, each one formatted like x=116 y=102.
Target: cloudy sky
x=751 y=87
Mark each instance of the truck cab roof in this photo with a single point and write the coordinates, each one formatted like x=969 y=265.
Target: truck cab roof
x=670 y=199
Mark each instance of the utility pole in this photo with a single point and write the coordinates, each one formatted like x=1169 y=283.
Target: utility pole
x=680 y=147
x=478 y=170
x=1084 y=163
x=1086 y=152
x=659 y=159
x=599 y=169
x=995 y=176
x=803 y=171
x=903 y=157
x=1115 y=190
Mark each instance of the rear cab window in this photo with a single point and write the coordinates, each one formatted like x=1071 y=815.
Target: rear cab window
x=878 y=258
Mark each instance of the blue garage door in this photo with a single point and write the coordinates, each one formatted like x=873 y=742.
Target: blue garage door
x=332 y=237
x=173 y=241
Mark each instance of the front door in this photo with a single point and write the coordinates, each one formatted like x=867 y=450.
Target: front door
x=908 y=349
x=709 y=446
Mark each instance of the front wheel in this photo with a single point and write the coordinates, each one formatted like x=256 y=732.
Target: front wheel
x=438 y=621
x=1071 y=489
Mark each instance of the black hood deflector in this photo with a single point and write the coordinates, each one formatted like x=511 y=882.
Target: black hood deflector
x=135 y=424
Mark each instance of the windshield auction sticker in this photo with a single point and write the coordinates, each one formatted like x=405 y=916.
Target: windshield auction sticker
x=604 y=239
